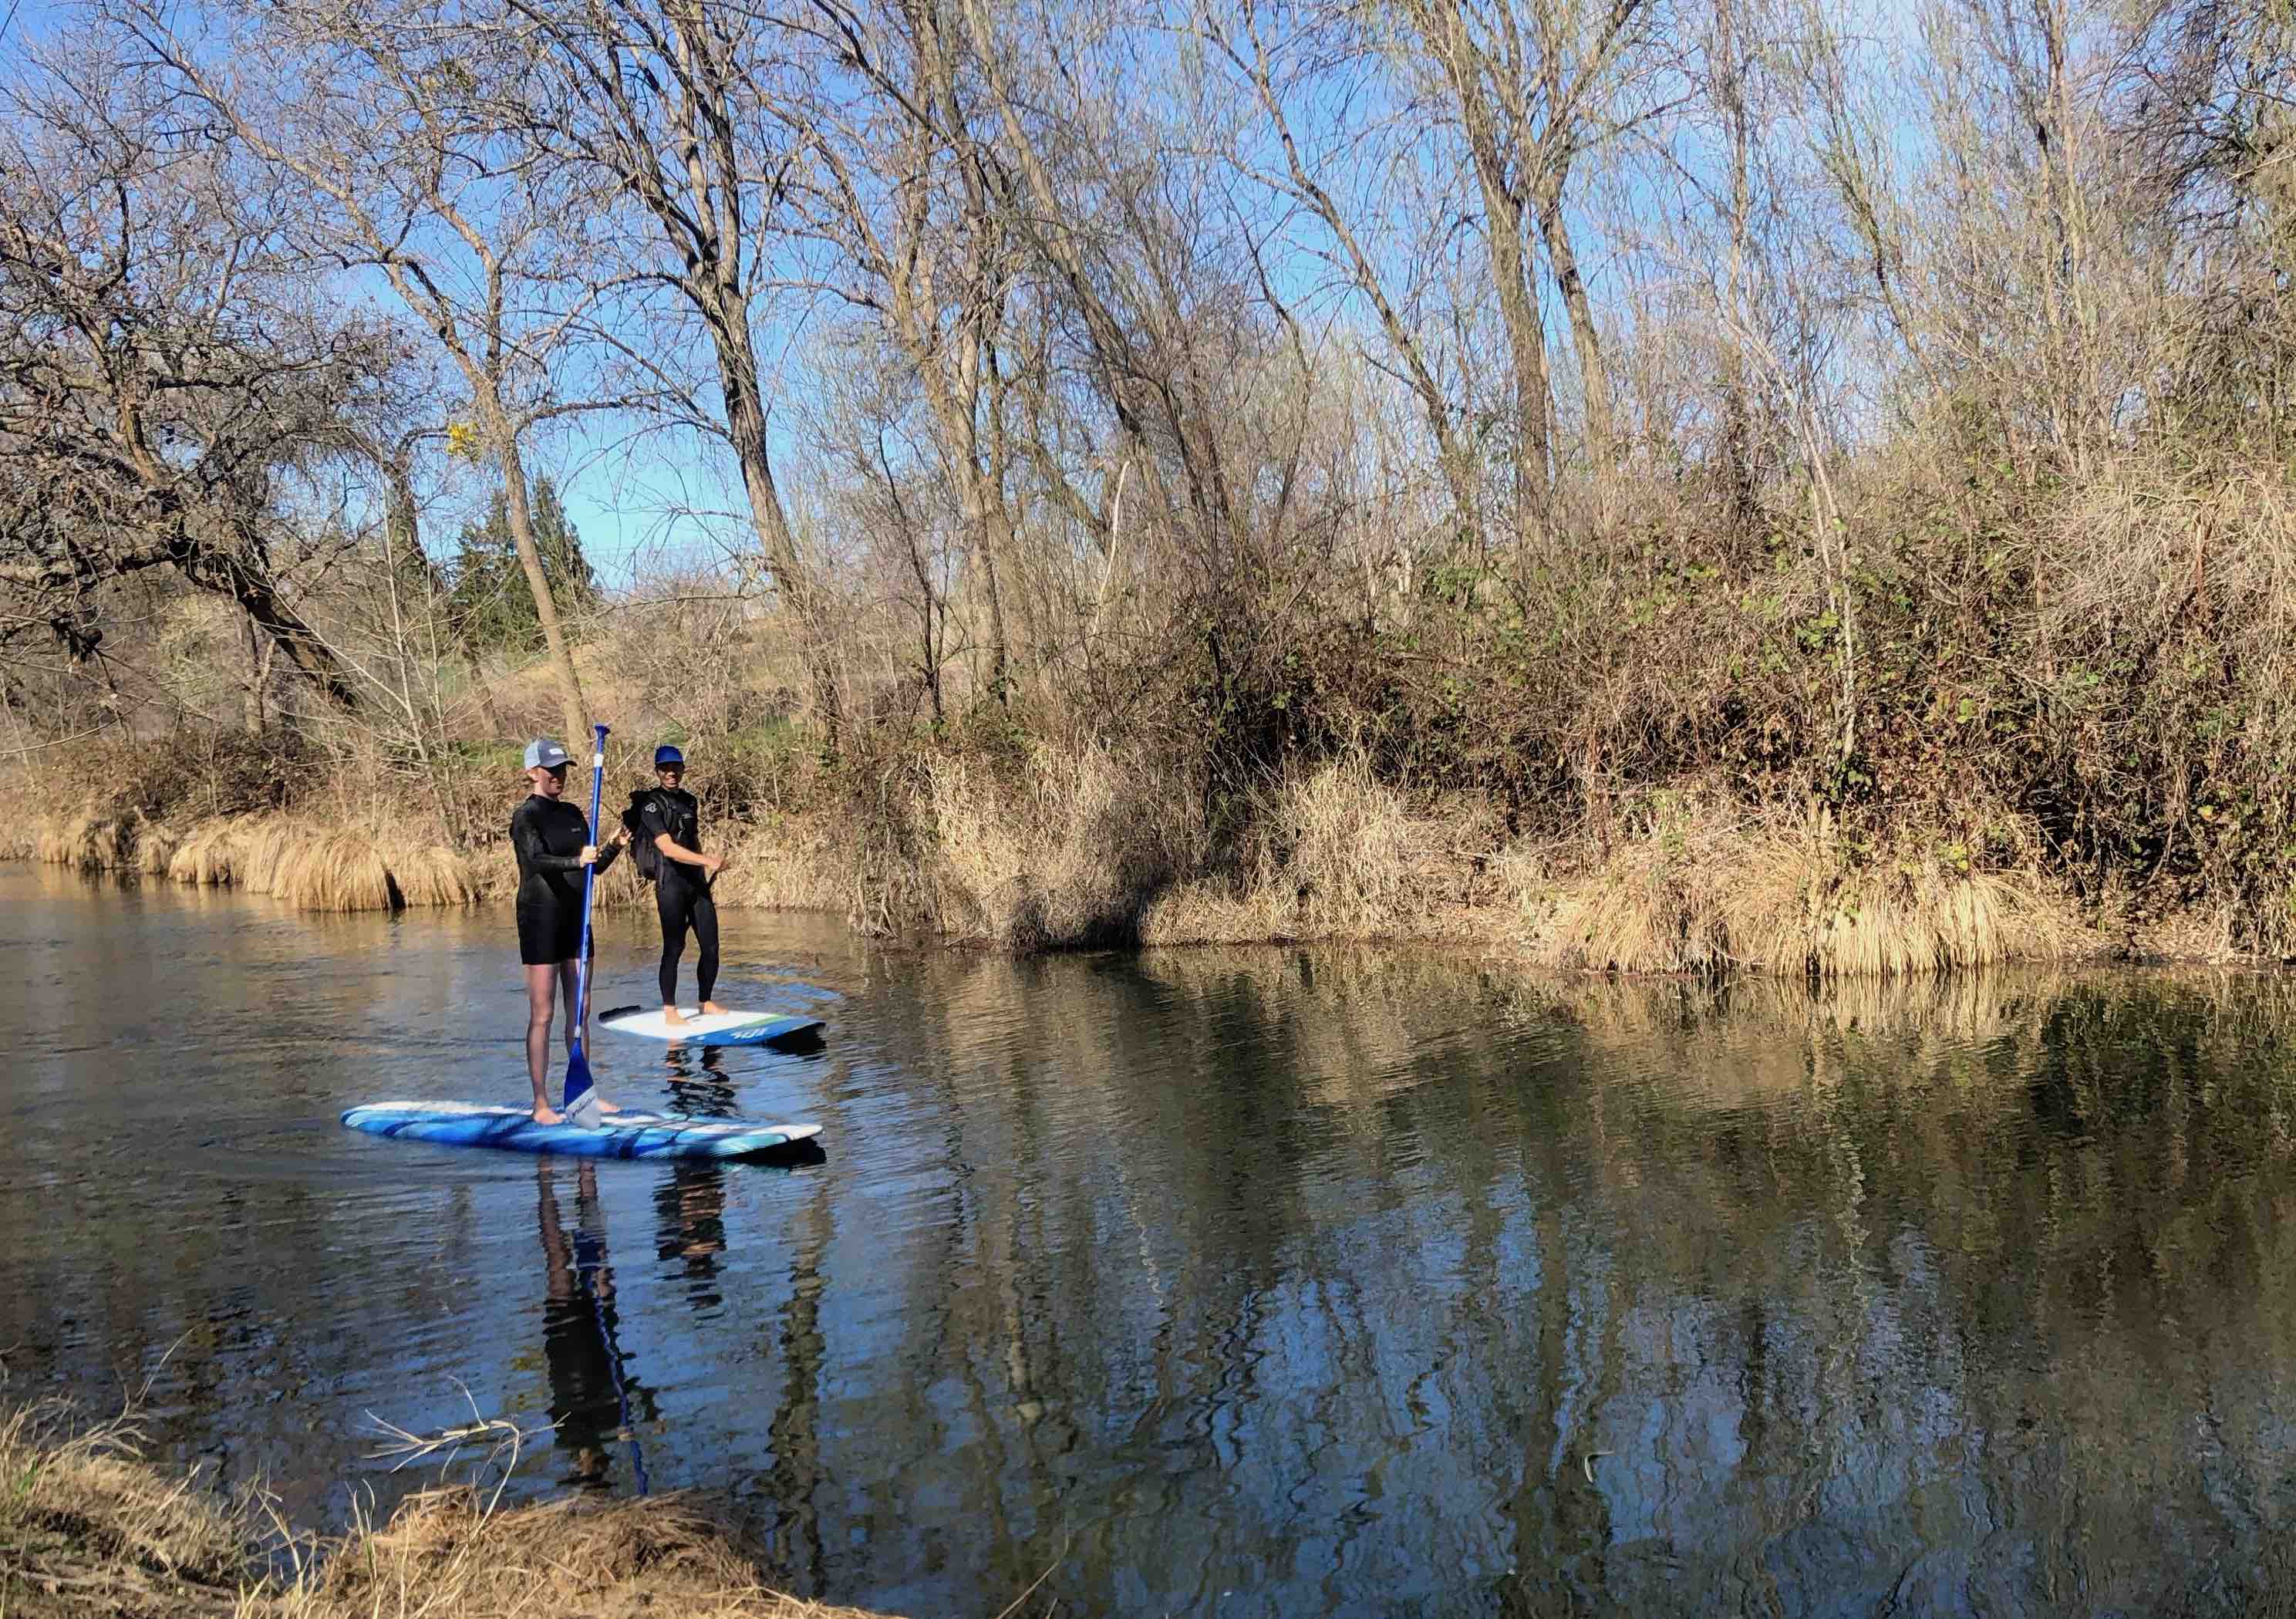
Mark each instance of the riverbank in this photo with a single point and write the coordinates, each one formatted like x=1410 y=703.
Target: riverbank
x=89 y=1530
x=1064 y=857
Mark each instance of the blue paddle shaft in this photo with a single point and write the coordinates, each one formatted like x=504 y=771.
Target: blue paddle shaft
x=577 y=1065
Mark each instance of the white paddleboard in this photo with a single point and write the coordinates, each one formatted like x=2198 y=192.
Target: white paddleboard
x=718 y=1028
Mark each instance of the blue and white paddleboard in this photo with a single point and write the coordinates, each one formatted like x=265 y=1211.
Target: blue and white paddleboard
x=619 y=1135
x=718 y=1028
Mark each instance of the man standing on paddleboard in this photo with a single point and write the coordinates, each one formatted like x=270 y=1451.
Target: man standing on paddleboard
x=669 y=825
x=553 y=840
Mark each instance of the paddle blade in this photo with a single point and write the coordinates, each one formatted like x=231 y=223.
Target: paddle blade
x=580 y=1106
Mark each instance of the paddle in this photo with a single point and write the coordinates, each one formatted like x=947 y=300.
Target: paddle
x=581 y=1103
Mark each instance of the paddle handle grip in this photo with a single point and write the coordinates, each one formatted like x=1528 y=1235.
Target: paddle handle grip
x=589 y=879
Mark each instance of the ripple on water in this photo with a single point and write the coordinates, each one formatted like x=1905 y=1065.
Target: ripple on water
x=1254 y=1282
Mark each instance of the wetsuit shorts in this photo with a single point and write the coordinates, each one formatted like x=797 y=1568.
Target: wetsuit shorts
x=549 y=930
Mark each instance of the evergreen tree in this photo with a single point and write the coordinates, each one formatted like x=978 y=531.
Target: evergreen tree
x=490 y=603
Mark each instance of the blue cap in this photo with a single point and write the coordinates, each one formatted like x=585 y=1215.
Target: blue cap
x=542 y=754
x=667 y=754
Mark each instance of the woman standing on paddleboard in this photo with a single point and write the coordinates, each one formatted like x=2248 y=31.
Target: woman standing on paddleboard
x=669 y=824
x=553 y=840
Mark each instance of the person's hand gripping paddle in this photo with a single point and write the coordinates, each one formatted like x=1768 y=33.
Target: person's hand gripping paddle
x=581 y=1105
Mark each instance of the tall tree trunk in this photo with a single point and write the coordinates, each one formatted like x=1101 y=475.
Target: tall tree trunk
x=1740 y=487
x=1586 y=338
x=793 y=578
x=1534 y=457
x=529 y=557
x=1504 y=231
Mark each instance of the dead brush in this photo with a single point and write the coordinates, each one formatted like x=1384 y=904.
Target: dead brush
x=1331 y=853
x=787 y=862
x=1701 y=890
x=1067 y=854
x=90 y=1531
x=85 y=1522
x=498 y=1442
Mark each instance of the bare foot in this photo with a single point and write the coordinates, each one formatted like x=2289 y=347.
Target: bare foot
x=543 y=1113
x=675 y=1018
x=711 y=1008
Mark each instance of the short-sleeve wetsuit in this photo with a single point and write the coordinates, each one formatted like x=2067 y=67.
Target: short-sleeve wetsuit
x=682 y=893
x=549 y=834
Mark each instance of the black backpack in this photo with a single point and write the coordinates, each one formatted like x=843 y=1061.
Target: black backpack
x=642 y=848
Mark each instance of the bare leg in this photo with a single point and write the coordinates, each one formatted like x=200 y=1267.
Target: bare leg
x=566 y=975
x=541 y=983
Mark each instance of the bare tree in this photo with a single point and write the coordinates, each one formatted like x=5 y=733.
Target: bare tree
x=1534 y=88
x=385 y=125
x=1283 y=52
x=162 y=369
x=665 y=105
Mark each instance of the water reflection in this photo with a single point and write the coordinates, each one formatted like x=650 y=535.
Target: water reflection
x=700 y=1083
x=1246 y=1283
x=595 y=1401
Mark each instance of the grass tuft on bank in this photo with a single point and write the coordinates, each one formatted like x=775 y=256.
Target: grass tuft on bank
x=311 y=866
x=89 y=1530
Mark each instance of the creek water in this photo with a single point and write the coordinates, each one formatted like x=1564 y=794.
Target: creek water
x=1199 y=1283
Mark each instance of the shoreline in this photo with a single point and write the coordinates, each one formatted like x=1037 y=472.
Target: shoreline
x=89 y=1529
x=1677 y=924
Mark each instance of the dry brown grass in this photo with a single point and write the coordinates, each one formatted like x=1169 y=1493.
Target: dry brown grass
x=308 y=865
x=155 y=849
x=1330 y=854
x=432 y=876
x=788 y=862
x=20 y=817
x=1066 y=854
x=443 y=1555
x=89 y=1530
x=204 y=856
x=89 y=839
x=1703 y=891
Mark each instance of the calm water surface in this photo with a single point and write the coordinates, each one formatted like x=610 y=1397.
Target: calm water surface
x=1256 y=1283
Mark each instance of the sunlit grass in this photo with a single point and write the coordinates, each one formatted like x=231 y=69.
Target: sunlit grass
x=90 y=1530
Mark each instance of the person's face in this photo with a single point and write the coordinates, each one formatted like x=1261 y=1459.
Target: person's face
x=549 y=780
x=670 y=775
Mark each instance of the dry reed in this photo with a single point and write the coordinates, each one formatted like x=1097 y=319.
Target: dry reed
x=91 y=1531
x=1701 y=892
x=1330 y=854
x=1065 y=852
x=204 y=856
x=308 y=865
x=787 y=863
x=433 y=876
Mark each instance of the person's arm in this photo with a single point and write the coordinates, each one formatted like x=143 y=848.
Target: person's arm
x=655 y=820
x=672 y=850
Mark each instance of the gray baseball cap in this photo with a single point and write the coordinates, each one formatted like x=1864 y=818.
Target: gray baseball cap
x=544 y=754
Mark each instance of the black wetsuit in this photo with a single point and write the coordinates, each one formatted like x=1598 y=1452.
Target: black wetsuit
x=549 y=834
x=681 y=892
